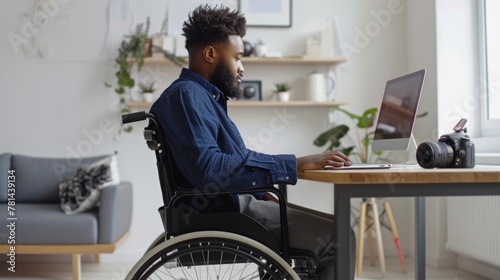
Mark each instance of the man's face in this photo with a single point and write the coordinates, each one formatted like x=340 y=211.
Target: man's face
x=229 y=70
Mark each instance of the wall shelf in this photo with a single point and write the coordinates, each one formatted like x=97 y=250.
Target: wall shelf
x=261 y=60
x=140 y=104
x=286 y=104
x=267 y=61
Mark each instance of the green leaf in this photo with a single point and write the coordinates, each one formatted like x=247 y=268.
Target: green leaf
x=333 y=135
x=125 y=110
x=423 y=114
x=347 y=151
x=366 y=140
x=368 y=118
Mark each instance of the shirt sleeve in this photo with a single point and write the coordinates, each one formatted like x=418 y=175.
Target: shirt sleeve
x=198 y=131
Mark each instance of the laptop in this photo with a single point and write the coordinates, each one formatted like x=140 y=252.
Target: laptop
x=396 y=118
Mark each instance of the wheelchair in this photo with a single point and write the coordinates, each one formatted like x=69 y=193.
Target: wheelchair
x=197 y=245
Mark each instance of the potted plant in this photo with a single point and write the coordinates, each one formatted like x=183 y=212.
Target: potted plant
x=360 y=144
x=147 y=91
x=282 y=90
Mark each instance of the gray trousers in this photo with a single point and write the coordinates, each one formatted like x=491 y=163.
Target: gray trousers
x=308 y=230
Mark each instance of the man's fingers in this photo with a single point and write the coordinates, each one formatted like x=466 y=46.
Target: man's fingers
x=339 y=157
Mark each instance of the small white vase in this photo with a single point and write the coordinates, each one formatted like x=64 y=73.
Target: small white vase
x=148 y=97
x=260 y=50
x=283 y=96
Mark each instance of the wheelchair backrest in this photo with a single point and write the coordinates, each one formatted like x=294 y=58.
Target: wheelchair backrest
x=167 y=170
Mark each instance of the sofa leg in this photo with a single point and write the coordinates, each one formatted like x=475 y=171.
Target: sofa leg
x=97 y=258
x=77 y=267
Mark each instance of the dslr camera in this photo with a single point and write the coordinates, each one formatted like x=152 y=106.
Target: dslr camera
x=451 y=150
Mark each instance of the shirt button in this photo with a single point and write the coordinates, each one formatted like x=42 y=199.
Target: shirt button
x=213 y=96
x=253 y=183
x=287 y=178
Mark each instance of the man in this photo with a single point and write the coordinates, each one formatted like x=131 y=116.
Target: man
x=208 y=149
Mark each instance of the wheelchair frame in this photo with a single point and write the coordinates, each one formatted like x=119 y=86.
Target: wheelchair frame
x=186 y=232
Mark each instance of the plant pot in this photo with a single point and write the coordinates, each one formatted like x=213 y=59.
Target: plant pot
x=148 y=97
x=283 y=96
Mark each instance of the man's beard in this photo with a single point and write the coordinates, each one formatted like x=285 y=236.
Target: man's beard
x=224 y=80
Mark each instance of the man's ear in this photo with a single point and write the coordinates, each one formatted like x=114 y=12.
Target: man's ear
x=210 y=54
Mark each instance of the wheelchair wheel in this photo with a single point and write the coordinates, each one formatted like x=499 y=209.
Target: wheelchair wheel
x=160 y=239
x=211 y=255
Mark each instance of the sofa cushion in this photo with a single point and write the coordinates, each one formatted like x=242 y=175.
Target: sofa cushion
x=38 y=179
x=45 y=223
x=81 y=191
x=4 y=168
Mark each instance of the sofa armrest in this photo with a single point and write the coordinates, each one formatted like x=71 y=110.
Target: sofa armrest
x=115 y=212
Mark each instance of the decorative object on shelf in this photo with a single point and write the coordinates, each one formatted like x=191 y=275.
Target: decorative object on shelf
x=319 y=86
x=133 y=45
x=251 y=91
x=247 y=48
x=282 y=90
x=147 y=91
x=260 y=48
x=271 y=13
x=321 y=44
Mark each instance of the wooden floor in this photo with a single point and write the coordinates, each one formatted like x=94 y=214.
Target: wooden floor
x=113 y=271
x=394 y=272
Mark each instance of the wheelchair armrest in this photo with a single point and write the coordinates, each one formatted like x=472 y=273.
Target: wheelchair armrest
x=281 y=200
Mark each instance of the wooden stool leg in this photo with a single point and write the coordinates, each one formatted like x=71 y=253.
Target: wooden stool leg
x=369 y=235
x=378 y=232
x=361 y=238
x=395 y=235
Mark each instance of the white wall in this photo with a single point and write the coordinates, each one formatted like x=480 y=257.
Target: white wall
x=49 y=105
x=459 y=86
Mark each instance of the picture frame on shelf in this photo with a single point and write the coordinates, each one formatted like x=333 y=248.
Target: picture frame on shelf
x=267 y=13
x=251 y=90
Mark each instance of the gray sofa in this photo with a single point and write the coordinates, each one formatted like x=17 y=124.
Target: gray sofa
x=41 y=227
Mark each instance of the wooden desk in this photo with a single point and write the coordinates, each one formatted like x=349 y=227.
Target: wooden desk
x=399 y=181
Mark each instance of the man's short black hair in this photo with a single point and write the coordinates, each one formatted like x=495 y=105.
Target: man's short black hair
x=207 y=26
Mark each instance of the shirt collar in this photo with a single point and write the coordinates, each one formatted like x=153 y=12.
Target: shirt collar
x=212 y=90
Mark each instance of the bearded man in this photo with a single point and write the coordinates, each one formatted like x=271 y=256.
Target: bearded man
x=209 y=151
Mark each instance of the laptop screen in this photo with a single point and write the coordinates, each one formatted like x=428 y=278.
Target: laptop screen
x=398 y=111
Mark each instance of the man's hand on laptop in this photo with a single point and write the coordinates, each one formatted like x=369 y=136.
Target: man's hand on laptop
x=320 y=161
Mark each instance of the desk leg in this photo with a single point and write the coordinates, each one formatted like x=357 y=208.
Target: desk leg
x=342 y=232
x=420 y=238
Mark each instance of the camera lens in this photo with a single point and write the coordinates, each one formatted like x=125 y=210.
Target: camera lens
x=432 y=154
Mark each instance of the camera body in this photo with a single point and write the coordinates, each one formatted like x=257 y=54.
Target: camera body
x=454 y=150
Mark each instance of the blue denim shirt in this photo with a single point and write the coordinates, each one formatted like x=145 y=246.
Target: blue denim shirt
x=208 y=148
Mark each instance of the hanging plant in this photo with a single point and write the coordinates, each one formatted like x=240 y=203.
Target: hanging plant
x=134 y=46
